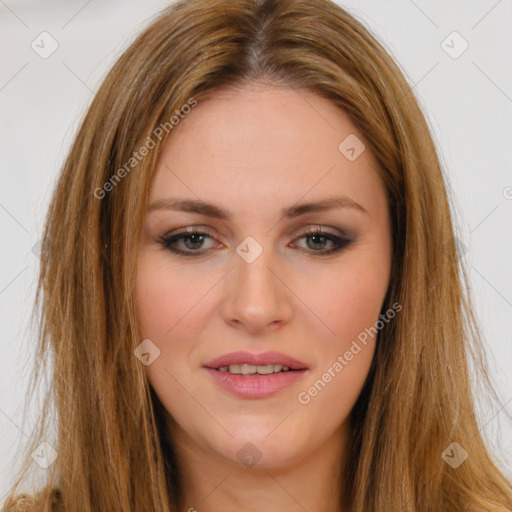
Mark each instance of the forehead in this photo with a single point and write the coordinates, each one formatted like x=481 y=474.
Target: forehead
x=258 y=141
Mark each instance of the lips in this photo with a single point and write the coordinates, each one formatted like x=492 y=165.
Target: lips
x=255 y=386
x=263 y=359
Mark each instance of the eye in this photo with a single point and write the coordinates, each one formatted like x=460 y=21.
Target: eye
x=320 y=238
x=192 y=242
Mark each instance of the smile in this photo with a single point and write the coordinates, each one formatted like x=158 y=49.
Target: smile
x=250 y=369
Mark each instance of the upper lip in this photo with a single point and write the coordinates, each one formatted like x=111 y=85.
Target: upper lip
x=262 y=359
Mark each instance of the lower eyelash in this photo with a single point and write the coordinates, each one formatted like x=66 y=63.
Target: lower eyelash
x=340 y=242
x=167 y=242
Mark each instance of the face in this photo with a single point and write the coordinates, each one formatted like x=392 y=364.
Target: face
x=257 y=282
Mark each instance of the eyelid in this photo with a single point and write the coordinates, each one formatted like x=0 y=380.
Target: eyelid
x=189 y=230
x=323 y=229
x=169 y=236
x=340 y=233
x=340 y=241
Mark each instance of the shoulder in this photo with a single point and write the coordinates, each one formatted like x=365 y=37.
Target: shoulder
x=33 y=503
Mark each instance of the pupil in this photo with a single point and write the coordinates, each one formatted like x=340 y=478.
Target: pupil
x=199 y=237
x=317 y=237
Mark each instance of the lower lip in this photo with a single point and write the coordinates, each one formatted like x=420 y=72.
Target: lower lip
x=260 y=386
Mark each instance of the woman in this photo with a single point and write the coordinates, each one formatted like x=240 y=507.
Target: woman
x=251 y=291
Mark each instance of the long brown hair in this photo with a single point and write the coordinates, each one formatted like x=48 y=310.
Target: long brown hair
x=417 y=400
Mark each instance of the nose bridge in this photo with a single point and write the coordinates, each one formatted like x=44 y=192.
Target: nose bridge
x=256 y=297
x=253 y=269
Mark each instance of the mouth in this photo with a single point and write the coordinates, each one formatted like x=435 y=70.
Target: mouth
x=255 y=375
x=250 y=369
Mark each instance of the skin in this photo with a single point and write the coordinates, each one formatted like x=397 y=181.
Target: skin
x=254 y=152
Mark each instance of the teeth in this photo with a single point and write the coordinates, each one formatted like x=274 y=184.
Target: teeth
x=265 y=370
x=250 y=369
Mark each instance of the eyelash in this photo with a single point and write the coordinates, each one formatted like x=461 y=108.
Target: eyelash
x=168 y=240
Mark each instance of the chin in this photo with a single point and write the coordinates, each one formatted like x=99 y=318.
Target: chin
x=277 y=450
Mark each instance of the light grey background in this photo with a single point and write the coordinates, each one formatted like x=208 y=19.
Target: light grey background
x=468 y=102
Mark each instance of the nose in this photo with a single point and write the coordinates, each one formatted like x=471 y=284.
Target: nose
x=256 y=297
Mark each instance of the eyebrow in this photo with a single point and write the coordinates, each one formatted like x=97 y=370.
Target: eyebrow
x=212 y=210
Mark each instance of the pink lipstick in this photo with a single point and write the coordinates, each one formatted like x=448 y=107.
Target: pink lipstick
x=251 y=375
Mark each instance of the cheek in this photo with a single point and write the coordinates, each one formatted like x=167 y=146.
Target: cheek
x=346 y=299
x=169 y=306
x=161 y=304
x=351 y=309
x=166 y=297
x=349 y=305
x=162 y=299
